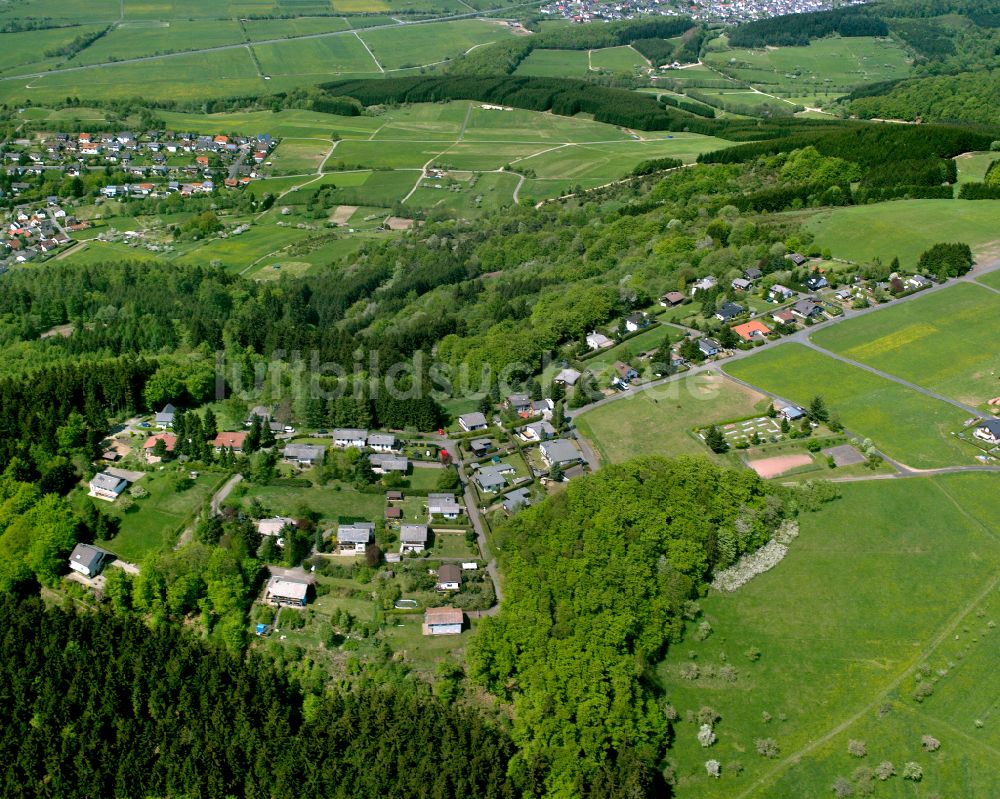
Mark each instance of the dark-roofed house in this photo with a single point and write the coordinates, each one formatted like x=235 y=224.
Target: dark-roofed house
x=412 y=538
x=304 y=455
x=344 y=437
x=88 y=560
x=394 y=514
x=480 y=445
x=742 y=284
x=384 y=463
x=753 y=273
x=516 y=499
x=671 y=298
x=491 y=478
x=709 y=347
x=796 y=258
x=519 y=403
x=816 y=281
x=165 y=418
x=728 y=311
x=808 y=308
x=558 y=451
x=382 y=442
x=449 y=577
x=107 y=486
x=988 y=430
x=353 y=539
x=443 y=505
x=567 y=377
x=472 y=421
x=443 y=621
x=625 y=372
x=287 y=591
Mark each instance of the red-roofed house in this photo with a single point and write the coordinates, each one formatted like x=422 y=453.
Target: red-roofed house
x=168 y=440
x=233 y=441
x=751 y=330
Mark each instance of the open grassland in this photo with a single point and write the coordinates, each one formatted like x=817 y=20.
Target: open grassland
x=904 y=228
x=294 y=123
x=414 y=46
x=660 y=421
x=467 y=198
x=172 y=37
x=991 y=279
x=299 y=156
x=841 y=625
x=825 y=65
x=421 y=122
x=946 y=341
x=531 y=126
x=618 y=59
x=554 y=64
x=258 y=29
x=906 y=425
x=972 y=166
x=315 y=58
x=105 y=11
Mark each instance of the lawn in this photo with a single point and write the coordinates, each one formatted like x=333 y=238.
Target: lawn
x=330 y=501
x=909 y=427
x=660 y=421
x=945 y=341
x=903 y=228
x=972 y=166
x=156 y=521
x=840 y=624
x=414 y=46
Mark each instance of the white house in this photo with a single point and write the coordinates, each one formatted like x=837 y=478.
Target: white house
x=382 y=442
x=384 y=463
x=353 y=539
x=412 y=538
x=286 y=591
x=704 y=284
x=443 y=621
x=598 y=341
x=779 y=293
x=449 y=577
x=558 y=451
x=472 y=421
x=344 y=437
x=88 y=560
x=443 y=505
x=538 y=431
x=304 y=455
x=107 y=486
x=164 y=420
x=988 y=430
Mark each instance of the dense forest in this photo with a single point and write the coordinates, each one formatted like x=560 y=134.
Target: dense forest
x=950 y=97
x=800 y=29
x=100 y=704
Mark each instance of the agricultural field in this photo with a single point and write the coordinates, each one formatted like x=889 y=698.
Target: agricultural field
x=839 y=635
x=909 y=427
x=138 y=39
x=945 y=342
x=618 y=59
x=263 y=29
x=661 y=421
x=299 y=156
x=823 y=68
x=27 y=50
x=315 y=59
x=554 y=64
x=415 y=46
x=904 y=228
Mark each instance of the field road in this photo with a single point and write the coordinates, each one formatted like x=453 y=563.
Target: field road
x=241 y=45
x=217 y=499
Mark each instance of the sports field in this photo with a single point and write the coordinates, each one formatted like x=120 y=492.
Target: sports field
x=909 y=427
x=946 y=341
x=660 y=421
x=841 y=626
x=904 y=228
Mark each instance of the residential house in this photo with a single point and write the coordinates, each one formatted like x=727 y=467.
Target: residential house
x=753 y=274
x=635 y=322
x=625 y=372
x=567 y=377
x=382 y=442
x=791 y=412
x=274 y=525
x=538 y=431
x=169 y=442
x=816 y=281
x=491 y=478
x=808 y=308
x=164 y=420
x=287 y=591
x=543 y=408
x=229 y=440
x=705 y=284
x=262 y=412
x=796 y=258
x=519 y=403
x=598 y=341
x=709 y=347
x=558 y=451
x=751 y=330
x=443 y=505
x=479 y=446
x=472 y=421
x=353 y=539
x=384 y=463
x=518 y=498
x=783 y=317
x=443 y=621
x=917 y=282
x=304 y=455
x=729 y=311
x=449 y=577
x=742 y=284
x=412 y=538
x=988 y=430
x=344 y=437
x=671 y=299
x=88 y=560
x=394 y=514
x=106 y=486
x=779 y=293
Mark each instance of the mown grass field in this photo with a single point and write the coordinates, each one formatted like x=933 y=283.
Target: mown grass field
x=299 y=156
x=906 y=425
x=258 y=29
x=659 y=421
x=904 y=228
x=841 y=625
x=618 y=59
x=554 y=64
x=826 y=65
x=945 y=341
x=991 y=279
x=972 y=166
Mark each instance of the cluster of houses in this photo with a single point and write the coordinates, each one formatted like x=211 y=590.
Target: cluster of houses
x=32 y=232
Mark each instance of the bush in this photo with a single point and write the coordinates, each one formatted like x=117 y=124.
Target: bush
x=884 y=770
x=767 y=747
x=714 y=768
x=930 y=743
x=913 y=771
x=842 y=788
x=857 y=748
x=705 y=735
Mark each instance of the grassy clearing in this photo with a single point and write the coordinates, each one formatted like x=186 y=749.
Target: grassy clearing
x=660 y=421
x=555 y=64
x=945 y=341
x=907 y=426
x=405 y=47
x=903 y=228
x=972 y=166
x=618 y=59
x=838 y=623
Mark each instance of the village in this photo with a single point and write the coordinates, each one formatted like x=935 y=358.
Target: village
x=713 y=11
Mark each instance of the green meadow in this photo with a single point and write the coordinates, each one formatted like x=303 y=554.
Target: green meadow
x=903 y=228
x=945 y=341
x=906 y=425
x=846 y=626
x=554 y=64
x=414 y=46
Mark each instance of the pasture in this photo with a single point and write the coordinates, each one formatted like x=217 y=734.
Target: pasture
x=315 y=59
x=904 y=228
x=841 y=626
x=945 y=342
x=618 y=59
x=135 y=40
x=554 y=64
x=823 y=67
x=414 y=46
x=907 y=426
x=660 y=421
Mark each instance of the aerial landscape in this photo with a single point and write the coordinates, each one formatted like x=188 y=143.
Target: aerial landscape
x=477 y=399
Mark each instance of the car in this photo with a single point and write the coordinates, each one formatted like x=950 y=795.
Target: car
x=322 y=432
x=289 y=428
x=145 y=425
